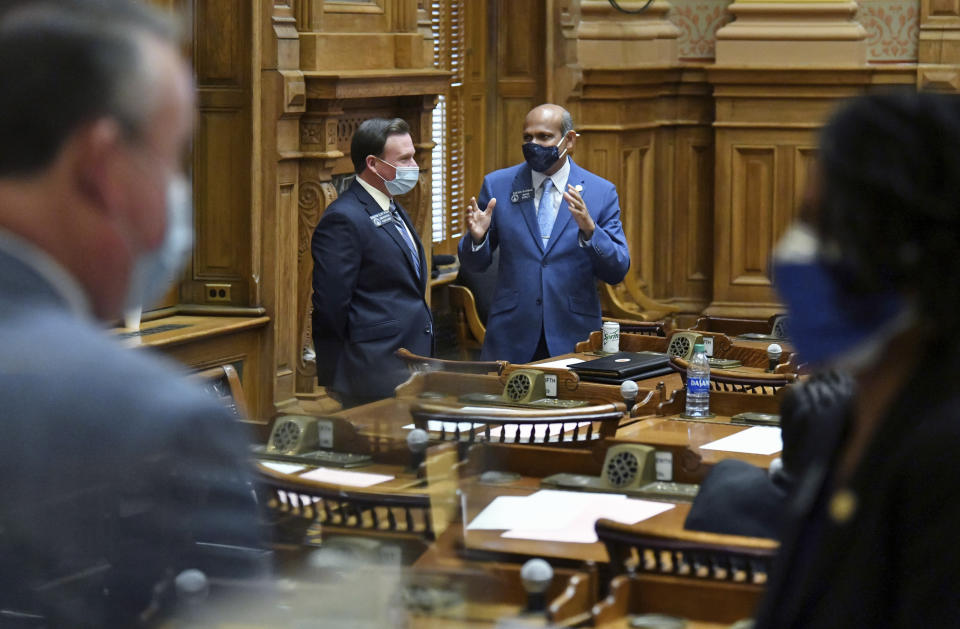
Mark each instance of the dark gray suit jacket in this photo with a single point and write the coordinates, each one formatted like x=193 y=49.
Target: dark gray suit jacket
x=367 y=299
x=116 y=472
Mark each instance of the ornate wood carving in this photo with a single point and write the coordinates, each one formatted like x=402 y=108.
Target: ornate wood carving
x=315 y=196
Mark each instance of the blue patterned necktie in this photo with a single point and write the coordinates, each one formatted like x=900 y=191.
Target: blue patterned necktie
x=398 y=223
x=546 y=212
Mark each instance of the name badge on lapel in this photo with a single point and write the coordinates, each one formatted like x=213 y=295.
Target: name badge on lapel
x=381 y=218
x=521 y=195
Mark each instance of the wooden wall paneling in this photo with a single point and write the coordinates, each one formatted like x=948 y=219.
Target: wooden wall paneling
x=758 y=187
x=665 y=189
x=766 y=128
x=222 y=156
x=637 y=187
x=520 y=81
x=477 y=132
x=688 y=283
x=362 y=35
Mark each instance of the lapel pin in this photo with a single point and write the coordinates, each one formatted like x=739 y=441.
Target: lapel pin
x=843 y=505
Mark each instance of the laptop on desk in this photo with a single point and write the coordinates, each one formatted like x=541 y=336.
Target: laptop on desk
x=616 y=368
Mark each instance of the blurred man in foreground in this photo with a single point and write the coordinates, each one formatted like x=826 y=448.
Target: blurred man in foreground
x=117 y=474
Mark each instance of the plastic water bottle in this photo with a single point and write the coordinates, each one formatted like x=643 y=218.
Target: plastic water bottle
x=698 y=383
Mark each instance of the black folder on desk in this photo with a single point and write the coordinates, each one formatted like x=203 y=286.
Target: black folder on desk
x=616 y=368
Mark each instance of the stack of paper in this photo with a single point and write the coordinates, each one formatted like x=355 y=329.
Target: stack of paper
x=562 y=516
x=764 y=440
x=347 y=478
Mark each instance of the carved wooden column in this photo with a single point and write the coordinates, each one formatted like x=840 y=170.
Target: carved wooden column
x=319 y=152
x=938 y=63
x=607 y=38
x=790 y=34
x=283 y=101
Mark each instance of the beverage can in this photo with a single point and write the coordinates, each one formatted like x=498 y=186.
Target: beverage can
x=611 y=337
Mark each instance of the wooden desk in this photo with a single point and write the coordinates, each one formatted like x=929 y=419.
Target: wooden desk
x=488 y=544
x=201 y=342
x=403 y=477
x=671 y=381
x=385 y=419
x=684 y=439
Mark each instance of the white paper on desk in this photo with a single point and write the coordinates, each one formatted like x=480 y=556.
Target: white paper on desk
x=434 y=425
x=283 y=468
x=540 y=510
x=503 y=513
x=757 y=440
x=581 y=529
x=343 y=477
x=559 y=364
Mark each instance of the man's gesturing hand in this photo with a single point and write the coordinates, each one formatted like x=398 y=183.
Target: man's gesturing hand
x=479 y=222
x=580 y=213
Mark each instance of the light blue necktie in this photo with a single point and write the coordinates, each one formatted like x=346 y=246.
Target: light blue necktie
x=398 y=223
x=546 y=212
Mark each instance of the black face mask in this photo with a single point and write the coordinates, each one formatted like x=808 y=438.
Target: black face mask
x=541 y=158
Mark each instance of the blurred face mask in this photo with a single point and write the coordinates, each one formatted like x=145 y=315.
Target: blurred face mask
x=403 y=181
x=155 y=271
x=541 y=158
x=827 y=326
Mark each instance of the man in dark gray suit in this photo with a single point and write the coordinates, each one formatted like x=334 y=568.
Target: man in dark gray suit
x=370 y=272
x=116 y=473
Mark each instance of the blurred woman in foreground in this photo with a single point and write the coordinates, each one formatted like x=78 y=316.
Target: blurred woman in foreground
x=871 y=277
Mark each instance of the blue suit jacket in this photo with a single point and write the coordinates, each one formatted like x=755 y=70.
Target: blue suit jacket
x=367 y=299
x=553 y=288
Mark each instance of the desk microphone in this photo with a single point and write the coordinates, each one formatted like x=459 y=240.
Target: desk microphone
x=417 y=441
x=773 y=356
x=536 y=575
x=629 y=390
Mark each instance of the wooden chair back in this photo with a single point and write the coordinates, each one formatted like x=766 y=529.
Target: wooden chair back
x=223 y=383
x=573 y=427
x=734 y=326
x=727 y=403
x=470 y=329
x=639 y=342
x=720 y=380
x=662 y=327
x=700 y=576
x=416 y=364
x=296 y=506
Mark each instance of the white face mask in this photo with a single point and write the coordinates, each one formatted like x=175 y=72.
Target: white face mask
x=155 y=271
x=404 y=181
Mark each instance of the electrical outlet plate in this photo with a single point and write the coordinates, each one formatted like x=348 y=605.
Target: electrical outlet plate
x=217 y=292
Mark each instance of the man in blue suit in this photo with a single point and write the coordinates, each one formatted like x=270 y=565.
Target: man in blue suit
x=558 y=230
x=369 y=272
